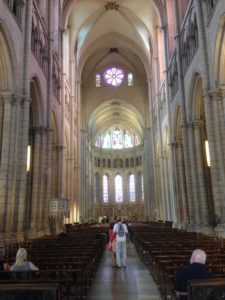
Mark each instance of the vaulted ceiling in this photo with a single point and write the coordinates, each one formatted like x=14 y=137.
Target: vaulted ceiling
x=129 y=26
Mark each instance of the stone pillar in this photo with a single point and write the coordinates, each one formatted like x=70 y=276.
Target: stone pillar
x=200 y=182
x=194 y=201
x=61 y=145
x=182 y=185
x=77 y=158
x=83 y=174
x=24 y=125
x=171 y=149
x=217 y=180
x=36 y=200
x=185 y=130
x=72 y=202
x=6 y=207
x=48 y=131
x=218 y=156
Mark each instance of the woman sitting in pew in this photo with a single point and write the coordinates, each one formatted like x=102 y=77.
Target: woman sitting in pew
x=196 y=270
x=22 y=264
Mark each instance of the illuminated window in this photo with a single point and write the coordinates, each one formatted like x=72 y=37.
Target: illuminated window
x=131 y=188
x=118 y=188
x=105 y=188
x=98 y=80
x=117 y=138
x=130 y=79
x=107 y=140
x=114 y=76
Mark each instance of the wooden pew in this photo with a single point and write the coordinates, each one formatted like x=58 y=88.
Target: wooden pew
x=29 y=291
x=206 y=289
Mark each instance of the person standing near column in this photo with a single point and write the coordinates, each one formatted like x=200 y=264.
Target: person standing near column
x=121 y=248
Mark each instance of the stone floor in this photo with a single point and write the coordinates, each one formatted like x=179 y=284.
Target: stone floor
x=131 y=283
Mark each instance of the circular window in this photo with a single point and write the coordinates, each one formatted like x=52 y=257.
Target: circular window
x=114 y=76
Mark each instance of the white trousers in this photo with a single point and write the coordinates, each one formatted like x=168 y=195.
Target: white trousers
x=121 y=253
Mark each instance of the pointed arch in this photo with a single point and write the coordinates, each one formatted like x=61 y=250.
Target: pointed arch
x=8 y=63
x=219 y=54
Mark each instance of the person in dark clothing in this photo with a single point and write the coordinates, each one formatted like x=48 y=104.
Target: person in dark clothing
x=4 y=266
x=196 y=270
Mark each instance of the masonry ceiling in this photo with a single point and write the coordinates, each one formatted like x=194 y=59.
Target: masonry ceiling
x=129 y=26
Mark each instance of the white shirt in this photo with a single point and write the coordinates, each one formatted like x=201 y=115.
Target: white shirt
x=115 y=229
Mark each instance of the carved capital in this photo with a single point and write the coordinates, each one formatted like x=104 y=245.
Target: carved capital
x=7 y=96
x=197 y=124
x=59 y=147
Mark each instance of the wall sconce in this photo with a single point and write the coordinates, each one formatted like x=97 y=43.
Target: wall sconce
x=28 y=157
x=207 y=153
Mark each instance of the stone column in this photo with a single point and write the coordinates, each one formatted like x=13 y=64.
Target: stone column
x=200 y=182
x=83 y=174
x=61 y=146
x=170 y=136
x=48 y=131
x=72 y=200
x=36 y=200
x=6 y=207
x=219 y=155
x=149 y=169
x=194 y=201
x=217 y=184
x=77 y=158
x=182 y=184
x=186 y=142
x=24 y=125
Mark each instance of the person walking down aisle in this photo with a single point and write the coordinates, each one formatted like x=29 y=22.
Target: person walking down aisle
x=131 y=283
x=112 y=244
x=121 y=248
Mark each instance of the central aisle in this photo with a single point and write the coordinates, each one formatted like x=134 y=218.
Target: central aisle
x=131 y=283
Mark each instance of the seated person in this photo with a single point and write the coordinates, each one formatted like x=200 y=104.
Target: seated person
x=196 y=270
x=22 y=264
x=4 y=266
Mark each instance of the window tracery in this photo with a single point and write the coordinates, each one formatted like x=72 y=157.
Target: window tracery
x=118 y=188
x=114 y=76
x=117 y=138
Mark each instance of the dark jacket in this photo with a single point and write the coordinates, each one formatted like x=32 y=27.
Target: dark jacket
x=192 y=271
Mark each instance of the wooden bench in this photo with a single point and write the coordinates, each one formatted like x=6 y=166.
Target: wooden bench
x=29 y=291
x=206 y=289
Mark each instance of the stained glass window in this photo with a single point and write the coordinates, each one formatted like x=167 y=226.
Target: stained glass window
x=131 y=188
x=117 y=138
x=107 y=140
x=105 y=188
x=130 y=79
x=98 y=141
x=127 y=140
x=98 y=80
x=118 y=188
x=114 y=76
